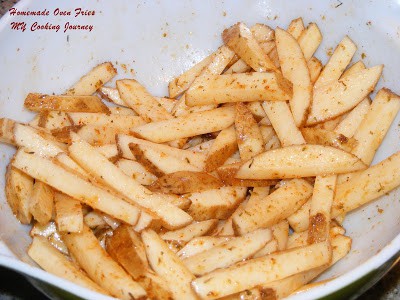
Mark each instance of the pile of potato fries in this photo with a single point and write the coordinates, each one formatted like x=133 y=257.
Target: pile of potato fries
x=233 y=187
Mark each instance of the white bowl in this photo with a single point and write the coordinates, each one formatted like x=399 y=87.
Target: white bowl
x=159 y=40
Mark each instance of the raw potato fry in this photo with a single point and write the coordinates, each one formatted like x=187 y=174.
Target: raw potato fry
x=69 y=215
x=257 y=110
x=42 y=202
x=201 y=244
x=309 y=40
x=224 y=202
x=42 y=102
x=52 y=261
x=203 y=147
x=262 y=32
x=283 y=123
x=140 y=100
x=100 y=267
x=338 y=97
x=227 y=253
x=337 y=63
x=298 y=161
x=53 y=119
x=354 y=68
x=248 y=135
x=92 y=81
x=6 y=131
x=280 y=232
x=104 y=171
x=240 y=40
x=224 y=146
x=183 y=182
x=136 y=171
x=319 y=136
x=73 y=185
x=168 y=266
x=367 y=185
x=299 y=221
x=112 y=95
x=110 y=150
x=224 y=228
x=267 y=133
x=187 y=126
x=50 y=232
x=273 y=143
x=94 y=219
x=120 y=121
x=314 y=67
x=280 y=204
x=254 y=272
x=330 y=124
x=269 y=248
x=320 y=208
x=18 y=190
x=125 y=111
x=189 y=232
x=296 y=27
x=294 y=68
x=215 y=89
x=375 y=124
x=98 y=135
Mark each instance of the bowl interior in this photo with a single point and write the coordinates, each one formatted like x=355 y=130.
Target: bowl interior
x=153 y=41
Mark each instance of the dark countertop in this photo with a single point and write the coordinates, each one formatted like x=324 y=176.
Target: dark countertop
x=13 y=286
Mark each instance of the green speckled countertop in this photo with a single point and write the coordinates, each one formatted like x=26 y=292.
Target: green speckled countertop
x=386 y=289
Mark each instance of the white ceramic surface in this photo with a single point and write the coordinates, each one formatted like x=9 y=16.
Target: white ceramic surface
x=160 y=39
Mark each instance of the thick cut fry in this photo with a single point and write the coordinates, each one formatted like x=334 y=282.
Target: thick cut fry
x=41 y=102
x=100 y=267
x=337 y=63
x=228 y=253
x=248 y=135
x=215 y=89
x=139 y=99
x=240 y=39
x=296 y=27
x=320 y=208
x=375 y=124
x=298 y=161
x=104 y=171
x=280 y=232
x=53 y=119
x=224 y=146
x=121 y=121
x=283 y=123
x=299 y=221
x=52 y=261
x=201 y=244
x=112 y=95
x=125 y=111
x=309 y=40
x=254 y=272
x=257 y=110
x=367 y=185
x=168 y=266
x=183 y=182
x=224 y=202
x=69 y=215
x=187 y=126
x=110 y=151
x=317 y=136
x=18 y=190
x=262 y=32
x=340 y=96
x=136 y=171
x=50 y=232
x=73 y=185
x=92 y=81
x=354 y=68
x=184 y=235
x=294 y=68
x=314 y=67
x=279 y=205
x=42 y=202
x=6 y=131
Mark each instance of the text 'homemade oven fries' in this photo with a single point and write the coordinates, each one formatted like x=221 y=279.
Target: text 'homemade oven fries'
x=231 y=187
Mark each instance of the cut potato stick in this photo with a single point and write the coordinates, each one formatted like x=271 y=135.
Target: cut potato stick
x=18 y=190
x=269 y=248
x=296 y=27
x=317 y=136
x=337 y=63
x=354 y=68
x=314 y=67
x=52 y=261
x=294 y=68
x=185 y=234
x=312 y=160
x=320 y=208
x=224 y=202
x=110 y=150
x=338 y=97
x=73 y=185
x=125 y=111
x=283 y=123
x=224 y=228
x=168 y=266
x=42 y=202
x=309 y=40
x=100 y=267
x=261 y=270
x=201 y=244
x=248 y=135
x=224 y=146
x=375 y=124
x=273 y=143
x=215 y=89
x=140 y=100
x=106 y=172
x=69 y=216
x=112 y=95
x=7 y=130
x=280 y=232
x=267 y=133
x=50 y=232
x=183 y=182
x=203 y=147
x=367 y=185
x=136 y=171
x=238 y=67
x=228 y=253
x=240 y=39
x=280 y=204
x=120 y=121
x=92 y=81
x=98 y=135
x=262 y=32
x=53 y=119
x=42 y=102
x=187 y=126
x=299 y=221
x=257 y=110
